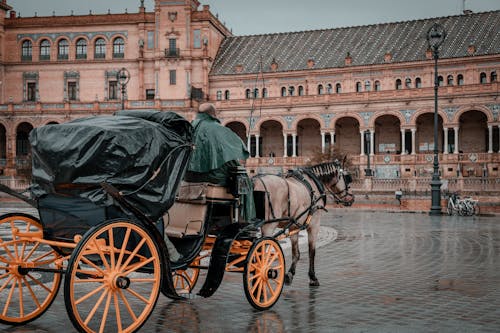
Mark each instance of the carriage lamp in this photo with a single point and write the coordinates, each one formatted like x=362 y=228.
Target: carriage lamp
x=435 y=37
x=123 y=76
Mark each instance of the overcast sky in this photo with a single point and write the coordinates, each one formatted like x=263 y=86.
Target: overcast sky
x=268 y=16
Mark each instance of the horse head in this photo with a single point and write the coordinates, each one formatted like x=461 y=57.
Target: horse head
x=336 y=181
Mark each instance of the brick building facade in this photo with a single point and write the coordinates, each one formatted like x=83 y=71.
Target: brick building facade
x=366 y=90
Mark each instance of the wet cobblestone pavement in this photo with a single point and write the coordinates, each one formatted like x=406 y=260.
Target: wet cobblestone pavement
x=384 y=272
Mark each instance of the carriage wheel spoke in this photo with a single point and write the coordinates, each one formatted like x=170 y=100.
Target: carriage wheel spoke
x=105 y=314
x=21 y=302
x=123 y=249
x=127 y=305
x=33 y=296
x=134 y=253
x=136 y=294
x=144 y=280
x=33 y=249
x=44 y=256
x=90 y=294
x=138 y=265
x=117 y=312
x=38 y=283
x=9 y=298
x=96 y=306
x=112 y=252
x=6 y=282
x=101 y=254
x=8 y=252
x=89 y=262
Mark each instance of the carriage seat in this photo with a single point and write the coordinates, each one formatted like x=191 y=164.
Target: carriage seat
x=187 y=215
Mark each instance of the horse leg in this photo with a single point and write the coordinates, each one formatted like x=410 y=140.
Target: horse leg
x=295 y=258
x=312 y=236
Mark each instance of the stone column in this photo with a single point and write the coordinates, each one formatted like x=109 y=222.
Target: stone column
x=294 y=144
x=455 y=129
x=322 y=142
x=257 y=152
x=490 y=139
x=249 y=140
x=372 y=142
x=332 y=138
x=285 y=137
x=445 y=150
x=413 y=141
x=403 y=142
x=362 y=133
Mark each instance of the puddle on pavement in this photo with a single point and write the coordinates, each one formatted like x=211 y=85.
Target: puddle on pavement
x=461 y=286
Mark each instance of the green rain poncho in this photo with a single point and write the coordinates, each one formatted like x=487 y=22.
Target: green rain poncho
x=217 y=149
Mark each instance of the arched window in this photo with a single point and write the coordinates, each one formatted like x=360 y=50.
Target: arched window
x=264 y=93
x=449 y=80
x=100 y=49
x=440 y=81
x=256 y=93
x=407 y=83
x=460 y=79
x=377 y=85
x=26 y=50
x=301 y=91
x=45 y=50
x=368 y=85
x=283 y=91
x=329 y=88
x=398 y=84
x=493 y=76
x=338 y=88
x=63 y=49
x=291 y=90
x=320 y=89
x=81 y=49
x=482 y=77
x=358 y=86
x=418 y=82
x=226 y=94
x=118 y=48
x=219 y=95
x=247 y=94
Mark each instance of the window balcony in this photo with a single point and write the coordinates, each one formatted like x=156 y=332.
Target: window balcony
x=62 y=57
x=99 y=55
x=44 y=57
x=26 y=58
x=118 y=55
x=172 y=53
x=81 y=56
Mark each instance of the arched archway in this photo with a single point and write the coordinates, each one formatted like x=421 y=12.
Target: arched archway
x=238 y=128
x=424 y=137
x=271 y=142
x=387 y=134
x=23 y=148
x=3 y=145
x=473 y=132
x=347 y=137
x=308 y=137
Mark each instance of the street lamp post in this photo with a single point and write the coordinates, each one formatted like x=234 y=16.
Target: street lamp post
x=123 y=76
x=435 y=37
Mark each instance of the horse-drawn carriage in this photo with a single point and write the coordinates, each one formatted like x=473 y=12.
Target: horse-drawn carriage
x=111 y=204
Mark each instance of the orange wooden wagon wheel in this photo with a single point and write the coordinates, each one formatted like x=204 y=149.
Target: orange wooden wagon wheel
x=264 y=273
x=25 y=294
x=113 y=278
x=185 y=279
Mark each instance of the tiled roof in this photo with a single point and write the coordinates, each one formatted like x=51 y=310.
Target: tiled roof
x=367 y=45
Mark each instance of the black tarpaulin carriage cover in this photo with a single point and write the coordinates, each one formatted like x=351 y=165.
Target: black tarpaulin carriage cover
x=144 y=154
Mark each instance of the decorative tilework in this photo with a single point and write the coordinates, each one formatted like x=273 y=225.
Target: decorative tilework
x=327 y=117
x=289 y=120
x=366 y=116
x=450 y=112
x=407 y=114
x=495 y=109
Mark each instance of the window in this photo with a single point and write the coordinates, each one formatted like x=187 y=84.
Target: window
x=27 y=50
x=460 y=79
x=247 y=93
x=418 y=82
x=264 y=93
x=31 y=91
x=81 y=49
x=63 y=49
x=151 y=40
x=449 y=80
x=407 y=83
x=440 y=81
x=377 y=85
x=219 y=95
x=493 y=76
x=72 y=96
x=338 y=88
x=45 y=50
x=173 y=77
x=329 y=88
x=100 y=49
x=368 y=85
x=301 y=91
x=112 y=90
x=172 y=48
x=358 y=86
x=197 y=38
x=399 y=86
x=256 y=93
x=291 y=90
x=150 y=94
x=118 y=48
x=226 y=93
x=320 y=89
x=482 y=77
x=283 y=91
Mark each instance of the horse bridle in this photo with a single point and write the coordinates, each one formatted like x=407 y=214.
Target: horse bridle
x=340 y=196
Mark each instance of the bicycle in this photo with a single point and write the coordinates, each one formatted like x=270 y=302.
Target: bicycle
x=464 y=207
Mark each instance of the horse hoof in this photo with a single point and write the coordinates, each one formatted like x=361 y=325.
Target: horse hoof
x=288 y=279
x=314 y=283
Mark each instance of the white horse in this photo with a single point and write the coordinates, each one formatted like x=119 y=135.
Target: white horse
x=294 y=202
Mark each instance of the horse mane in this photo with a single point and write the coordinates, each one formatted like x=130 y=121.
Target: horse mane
x=324 y=171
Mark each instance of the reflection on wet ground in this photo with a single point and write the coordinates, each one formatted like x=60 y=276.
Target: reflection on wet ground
x=385 y=272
